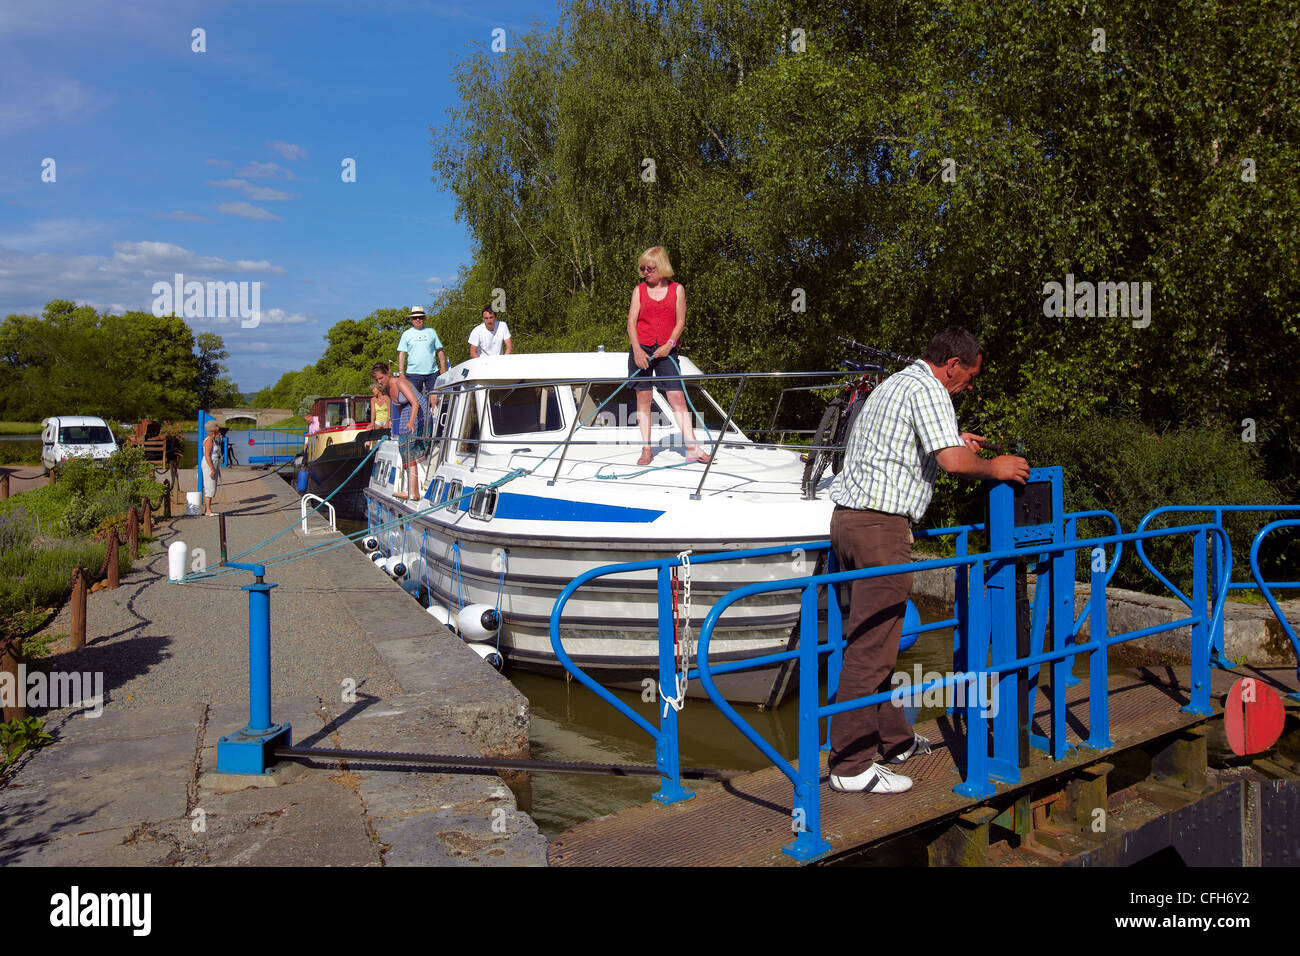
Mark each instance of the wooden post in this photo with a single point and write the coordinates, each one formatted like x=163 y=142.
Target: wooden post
x=176 y=480
x=112 y=559
x=167 y=499
x=78 y=608
x=147 y=507
x=4 y=486
x=133 y=534
x=9 y=665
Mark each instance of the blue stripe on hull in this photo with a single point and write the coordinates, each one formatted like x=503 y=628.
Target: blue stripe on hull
x=538 y=508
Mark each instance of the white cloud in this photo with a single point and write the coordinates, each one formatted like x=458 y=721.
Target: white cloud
x=251 y=190
x=281 y=317
x=218 y=162
x=122 y=281
x=52 y=233
x=42 y=101
x=167 y=257
x=258 y=170
x=247 y=211
x=288 y=150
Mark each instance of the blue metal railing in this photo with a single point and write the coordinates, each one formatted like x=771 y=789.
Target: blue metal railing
x=977 y=625
x=272 y=446
x=1220 y=568
x=665 y=735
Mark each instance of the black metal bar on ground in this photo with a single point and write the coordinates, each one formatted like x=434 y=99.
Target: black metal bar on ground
x=458 y=761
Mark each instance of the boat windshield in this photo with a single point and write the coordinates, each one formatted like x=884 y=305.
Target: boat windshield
x=524 y=409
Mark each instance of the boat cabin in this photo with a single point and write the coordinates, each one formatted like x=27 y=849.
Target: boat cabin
x=341 y=411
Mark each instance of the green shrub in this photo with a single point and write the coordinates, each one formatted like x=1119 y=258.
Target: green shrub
x=19 y=736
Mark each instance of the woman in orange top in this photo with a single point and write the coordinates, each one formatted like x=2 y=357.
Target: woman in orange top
x=655 y=321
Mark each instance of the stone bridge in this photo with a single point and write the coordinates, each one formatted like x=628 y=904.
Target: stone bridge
x=263 y=416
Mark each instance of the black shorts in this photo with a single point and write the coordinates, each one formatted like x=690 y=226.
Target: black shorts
x=659 y=368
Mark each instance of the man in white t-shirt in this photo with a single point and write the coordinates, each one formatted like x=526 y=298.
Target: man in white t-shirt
x=490 y=337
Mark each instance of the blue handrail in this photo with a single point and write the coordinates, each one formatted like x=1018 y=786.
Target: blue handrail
x=1220 y=564
x=980 y=767
x=1266 y=587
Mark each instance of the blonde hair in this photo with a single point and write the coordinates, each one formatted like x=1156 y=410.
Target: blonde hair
x=211 y=426
x=657 y=257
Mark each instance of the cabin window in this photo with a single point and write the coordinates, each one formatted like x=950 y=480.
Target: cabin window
x=335 y=414
x=457 y=487
x=705 y=413
x=361 y=409
x=392 y=474
x=619 y=413
x=484 y=503
x=524 y=409
x=435 y=490
x=469 y=425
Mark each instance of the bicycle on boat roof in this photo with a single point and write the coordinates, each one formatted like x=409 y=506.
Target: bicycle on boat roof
x=837 y=420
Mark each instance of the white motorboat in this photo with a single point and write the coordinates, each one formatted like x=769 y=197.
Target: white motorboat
x=567 y=422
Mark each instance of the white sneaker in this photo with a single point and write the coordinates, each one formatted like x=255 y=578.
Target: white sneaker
x=920 y=745
x=875 y=779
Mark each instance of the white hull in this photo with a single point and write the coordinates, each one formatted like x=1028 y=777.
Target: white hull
x=543 y=530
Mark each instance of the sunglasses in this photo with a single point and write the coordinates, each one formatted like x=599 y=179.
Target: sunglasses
x=645 y=269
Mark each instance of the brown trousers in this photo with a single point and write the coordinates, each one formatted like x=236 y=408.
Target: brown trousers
x=870 y=539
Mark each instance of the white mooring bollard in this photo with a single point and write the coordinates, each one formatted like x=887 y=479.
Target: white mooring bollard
x=178 y=556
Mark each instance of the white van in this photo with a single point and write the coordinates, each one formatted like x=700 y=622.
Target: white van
x=75 y=436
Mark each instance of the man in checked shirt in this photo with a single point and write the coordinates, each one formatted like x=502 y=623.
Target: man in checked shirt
x=905 y=432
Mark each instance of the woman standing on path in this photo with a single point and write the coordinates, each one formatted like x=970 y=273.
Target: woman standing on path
x=655 y=321
x=211 y=462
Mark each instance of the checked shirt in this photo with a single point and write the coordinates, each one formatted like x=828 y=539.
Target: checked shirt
x=889 y=464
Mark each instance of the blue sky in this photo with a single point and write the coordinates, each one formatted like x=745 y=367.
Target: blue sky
x=226 y=164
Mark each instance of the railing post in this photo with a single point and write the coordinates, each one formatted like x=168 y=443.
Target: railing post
x=667 y=758
x=808 y=843
x=1217 y=563
x=167 y=500
x=1098 y=676
x=1200 y=630
x=147 y=507
x=133 y=534
x=4 y=486
x=976 y=629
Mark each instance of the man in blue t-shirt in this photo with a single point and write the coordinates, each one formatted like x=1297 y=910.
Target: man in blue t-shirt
x=423 y=346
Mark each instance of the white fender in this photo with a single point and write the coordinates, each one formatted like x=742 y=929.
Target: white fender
x=478 y=622
x=371 y=543
x=439 y=614
x=488 y=653
x=399 y=565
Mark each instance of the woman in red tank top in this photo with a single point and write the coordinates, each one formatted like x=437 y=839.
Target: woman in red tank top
x=655 y=321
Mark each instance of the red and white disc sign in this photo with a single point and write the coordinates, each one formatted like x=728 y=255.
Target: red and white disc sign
x=1253 y=716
